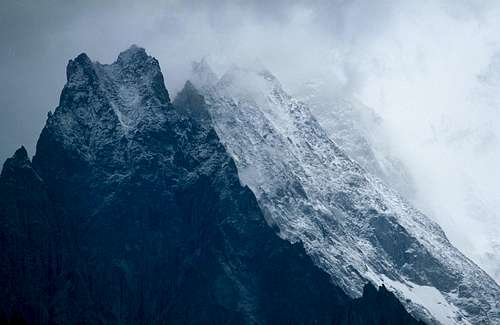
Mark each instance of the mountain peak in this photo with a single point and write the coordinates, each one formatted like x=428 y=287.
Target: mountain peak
x=19 y=160
x=202 y=74
x=254 y=81
x=190 y=102
x=113 y=98
x=21 y=154
x=83 y=58
x=189 y=87
x=80 y=69
x=136 y=67
x=133 y=54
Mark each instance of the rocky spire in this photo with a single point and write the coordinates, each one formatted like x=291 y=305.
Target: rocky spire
x=80 y=69
x=101 y=103
x=18 y=160
x=132 y=55
x=190 y=102
x=202 y=74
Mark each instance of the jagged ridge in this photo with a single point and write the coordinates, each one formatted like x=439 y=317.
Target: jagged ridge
x=132 y=213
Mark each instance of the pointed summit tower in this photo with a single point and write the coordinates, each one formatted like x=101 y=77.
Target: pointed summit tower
x=202 y=74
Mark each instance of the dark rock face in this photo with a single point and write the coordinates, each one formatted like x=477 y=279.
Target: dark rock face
x=132 y=213
x=375 y=307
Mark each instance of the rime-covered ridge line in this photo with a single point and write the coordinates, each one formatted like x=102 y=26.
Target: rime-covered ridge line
x=354 y=226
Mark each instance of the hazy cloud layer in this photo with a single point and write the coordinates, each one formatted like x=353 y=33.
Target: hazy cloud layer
x=429 y=68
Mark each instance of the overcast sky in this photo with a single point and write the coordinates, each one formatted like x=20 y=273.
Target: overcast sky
x=431 y=69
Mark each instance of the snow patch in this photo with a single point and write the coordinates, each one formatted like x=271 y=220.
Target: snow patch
x=428 y=297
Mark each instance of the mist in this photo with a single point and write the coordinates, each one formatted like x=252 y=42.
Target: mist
x=430 y=69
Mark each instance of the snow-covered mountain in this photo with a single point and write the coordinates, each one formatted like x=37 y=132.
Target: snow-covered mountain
x=132 y=212
x=359 y=131
x=463 y=201
x=355 y=227
x=460 y=193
